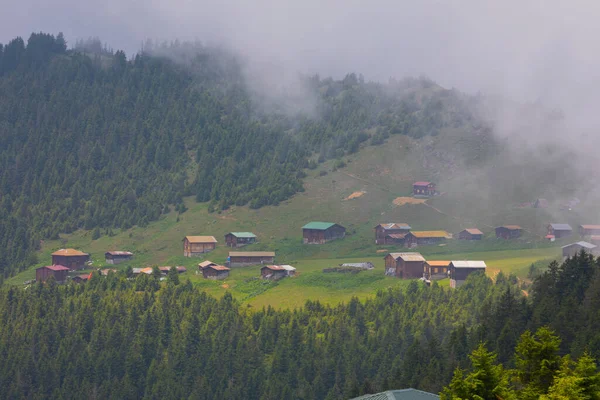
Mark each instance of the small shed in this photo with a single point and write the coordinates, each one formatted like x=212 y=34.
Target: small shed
x=81 y=278
x=117 y=257
x=418 y=238
x=435 y=270
x=391 y=232
x=470 y=234
x=508 y=232
x=59 y=272
x=404 y=265
x=70 y=258
x=574 y=248
x=291 y=271
x=246 y=258
x=273 y=272
x=559 y=230
x=423 y=188
x=205 y=264
x=322 y=232
x=459 y=270
x=540 y=203
x=215 y=272
x=239 y=239
x=589 y=230
x=194 y=246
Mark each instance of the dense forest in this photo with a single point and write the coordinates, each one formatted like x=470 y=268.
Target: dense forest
x=91 y=139
x=130 y=338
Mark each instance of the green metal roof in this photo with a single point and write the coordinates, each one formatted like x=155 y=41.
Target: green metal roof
x=404 y=394
x=321 y=226
x=243 y=234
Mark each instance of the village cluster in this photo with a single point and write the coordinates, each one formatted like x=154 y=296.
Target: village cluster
x=403 y=265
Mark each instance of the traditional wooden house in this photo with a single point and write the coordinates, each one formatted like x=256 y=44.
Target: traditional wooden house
x=508 y=231
x=559 y=230
x=215 y=272
x=239 y=239
x=194 y=246
x=574 y=248
x=117 y=257
x=246 y=258
x=291 y=271
x=404 y=265
x=435 y=270
x=459 y=270
x=419 y=238
x=59 y=273
x=589 y=230
x=423 y=189
x=273 y=272
x=81 y=278
x=70 y=258
x=205 y=264
x=321 y=232
x=391 y=233
x=470 y=234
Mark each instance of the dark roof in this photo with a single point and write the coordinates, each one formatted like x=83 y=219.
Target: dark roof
x=404 y=394
x=561 y=227
x=511 y=227
x=320 y=226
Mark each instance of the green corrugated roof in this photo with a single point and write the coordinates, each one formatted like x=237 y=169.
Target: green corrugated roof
x=318 y=225
x=404 y=394
x=243 y=234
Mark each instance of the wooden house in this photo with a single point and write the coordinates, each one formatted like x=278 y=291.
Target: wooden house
x=291 y=271
x=246 y=258
x=239 y=239
x=423 y=189
x=215 y=272
x=559 y=230
x=273 y=272
x=322 y=232
x=194 y=246
x=470 y=234
x=70 y=258
x=81 y=278
x=419 y=238
x=117 y=257
x=59 y=273
x=459 y=270
x=391 y=233
x=205 y=264
x=435 y=270
x=508 y=232
x=589 y=230
x=404 y=265
x=574 y=248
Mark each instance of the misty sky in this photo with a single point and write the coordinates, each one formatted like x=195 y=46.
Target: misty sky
x=524 y=49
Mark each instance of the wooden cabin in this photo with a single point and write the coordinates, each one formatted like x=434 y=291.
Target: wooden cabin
x=572 y=249
x=419 y=238
x=215 y=272
x=589 y=230
x=117 y=257
x=273 y=272
x=59 y=273
x=239 y=239
x=435 y=270
x=404 y=265
x=205 y=264
x=322 y=232
x=194 y=246
x=81 y=278
x=559 y=230
x=291 y=271
x=247 y=258
x=70 y=258
x=459 y=270
x=508 y=232
x=470 y=234
x=423 y=189
x=391 y=233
